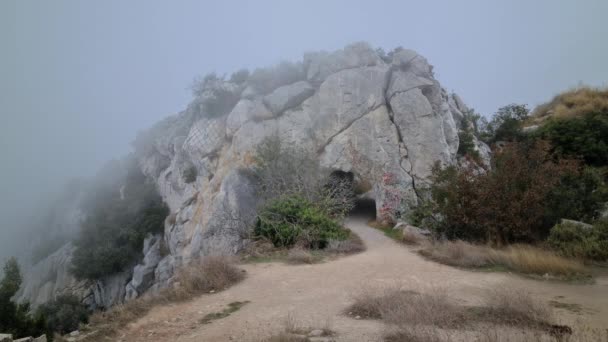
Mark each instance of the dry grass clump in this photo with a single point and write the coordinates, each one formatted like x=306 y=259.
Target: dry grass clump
x=296 y=331
x=379 y=225
x=231 y=308
x=264 y=251
x=418 y=334
x=459 y=253
x=432 y=316
x=352 y=245
x=573 y=103
x=301 y=256
x=531 y=260
x=518 y=258
x=286 y=337
x=513 y=307
x=213 y=273
x=398 y=306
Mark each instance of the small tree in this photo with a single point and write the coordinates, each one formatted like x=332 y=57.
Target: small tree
x=12 y=278
x=283 y=171
x=507 y=203
x=64 y=314
x=301 y=202
x=15 y=319
x=506 y=124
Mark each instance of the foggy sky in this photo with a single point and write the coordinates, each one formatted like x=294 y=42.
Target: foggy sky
x=78 y=79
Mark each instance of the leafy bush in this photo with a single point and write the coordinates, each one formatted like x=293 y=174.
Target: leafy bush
x=265 y=80
x=220 y=103
x=283 y=171
x=15 y=318
x=466 y=147
x=240 y=76
x=64 y=314
x=213 y=272
x=112 y=234
x=293 y=219
x=584 y=137
x=579 y=241
x=506 y=124
x=218 y=96
x=190 y=174
x=578 y=196
x=503 y=205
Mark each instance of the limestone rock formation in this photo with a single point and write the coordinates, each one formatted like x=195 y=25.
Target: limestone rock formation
x=386 y=120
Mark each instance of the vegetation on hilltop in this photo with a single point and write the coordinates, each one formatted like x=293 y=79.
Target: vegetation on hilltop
x=537 y=178
x=573 y=103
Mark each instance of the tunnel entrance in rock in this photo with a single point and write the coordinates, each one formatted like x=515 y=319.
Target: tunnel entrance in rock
x=364 y=207
x=358 y=191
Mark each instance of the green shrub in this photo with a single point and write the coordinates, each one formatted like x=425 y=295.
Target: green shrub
x=423 y=215
x=293 y=219
x=579 y=196
x=190 y=174
x=466 y=147
x=15 y=318
x=506 y=124
x=584 y=137
x=240 y=77
x=64 y=314
x=219 y=98
x=265 y=80
x=575 y=240
x=112 y=235
x=220 y=103
x=283 y=170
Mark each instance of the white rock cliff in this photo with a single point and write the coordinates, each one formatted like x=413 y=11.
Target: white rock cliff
x=386 y=120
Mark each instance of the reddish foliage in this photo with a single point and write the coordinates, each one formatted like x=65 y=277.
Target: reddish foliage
x=505 y=204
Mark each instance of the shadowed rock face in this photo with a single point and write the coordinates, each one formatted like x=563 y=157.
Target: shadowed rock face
x=385 y=121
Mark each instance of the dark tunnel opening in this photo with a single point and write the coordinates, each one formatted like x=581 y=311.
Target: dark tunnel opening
x=364 y=207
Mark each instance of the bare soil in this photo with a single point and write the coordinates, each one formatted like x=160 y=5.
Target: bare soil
x=317 y=295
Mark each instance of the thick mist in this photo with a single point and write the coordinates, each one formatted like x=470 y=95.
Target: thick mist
x=79 y=79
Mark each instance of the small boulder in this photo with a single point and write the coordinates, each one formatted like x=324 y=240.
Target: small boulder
x=315 y=333
x=6 y=338
x=288 y=96
x=407 y=228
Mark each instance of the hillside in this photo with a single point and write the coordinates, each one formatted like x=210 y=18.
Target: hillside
x=382 y=119
x=570 y=104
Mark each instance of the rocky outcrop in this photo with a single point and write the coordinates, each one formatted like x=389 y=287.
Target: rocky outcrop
x=288 y=96
x=386 y=120
x=143 y=274
x=51 y=277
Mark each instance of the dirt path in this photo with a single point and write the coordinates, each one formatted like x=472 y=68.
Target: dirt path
x=319 y=293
